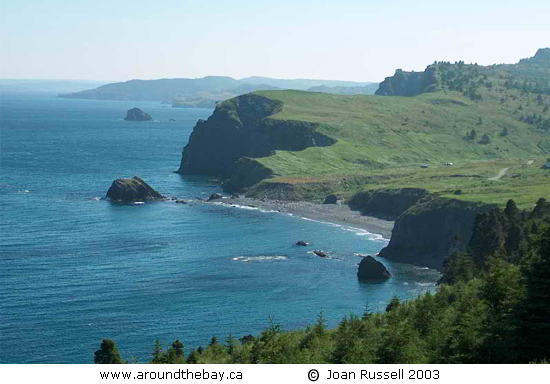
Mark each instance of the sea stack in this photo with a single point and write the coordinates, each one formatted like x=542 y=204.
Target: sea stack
x=136 y=114
x=371 y=270
x=132 y=190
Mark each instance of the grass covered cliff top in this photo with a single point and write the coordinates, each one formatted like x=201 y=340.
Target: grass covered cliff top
x=388 y=139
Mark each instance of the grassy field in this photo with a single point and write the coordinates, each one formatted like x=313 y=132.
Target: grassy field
x=389 y=138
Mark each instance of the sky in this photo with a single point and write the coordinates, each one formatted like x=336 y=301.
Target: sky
x=358 y=40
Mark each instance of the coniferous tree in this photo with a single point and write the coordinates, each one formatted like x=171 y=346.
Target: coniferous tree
x=488 y=234
x=179 y=349
x=231 y=343
x=459 y=267
x=485 y=139
x=214 y=341
x=107 y=353
x=511 y=210
x=393 y=304
x=158 y=354
x=535 y=311
x=193 y=357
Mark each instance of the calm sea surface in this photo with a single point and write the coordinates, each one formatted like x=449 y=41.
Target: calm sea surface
x=75 y=269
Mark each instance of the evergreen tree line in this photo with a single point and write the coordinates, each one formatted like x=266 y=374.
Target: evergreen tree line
x=492 y=305
x=537 y=121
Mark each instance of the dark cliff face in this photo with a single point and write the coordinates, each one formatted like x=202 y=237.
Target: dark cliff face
x=409 y=83
x=240 y=128
x=431 y=230
x=386 y=203
x=227 y=135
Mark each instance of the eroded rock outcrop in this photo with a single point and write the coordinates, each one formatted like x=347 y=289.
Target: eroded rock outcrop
x=136 y=114
x=132 y=190
x=409 y=83
x=240 y=130
x=371 y=270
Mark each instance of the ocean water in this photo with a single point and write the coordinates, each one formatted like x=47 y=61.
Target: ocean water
x=75 y=269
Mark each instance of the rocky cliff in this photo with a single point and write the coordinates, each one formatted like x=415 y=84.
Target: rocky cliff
x=409 y=83
x=240 y=130
x=431 y=230
x=386 y=203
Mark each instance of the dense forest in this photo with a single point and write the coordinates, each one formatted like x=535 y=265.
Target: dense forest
x=492 y=306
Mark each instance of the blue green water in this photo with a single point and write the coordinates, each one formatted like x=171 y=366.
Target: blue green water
x=75 y=269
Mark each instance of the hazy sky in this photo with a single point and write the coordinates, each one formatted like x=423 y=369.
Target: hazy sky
x=349 y=40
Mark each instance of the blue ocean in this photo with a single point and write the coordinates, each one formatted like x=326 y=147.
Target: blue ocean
x=75 y=269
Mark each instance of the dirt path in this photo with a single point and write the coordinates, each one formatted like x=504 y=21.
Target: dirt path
x=502 y=172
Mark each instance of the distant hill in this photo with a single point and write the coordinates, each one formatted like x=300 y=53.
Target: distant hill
x=210 y=99
x=46 y=86
x=340 y=90
x=300 y=84
x=157 y=90
x=206 y=91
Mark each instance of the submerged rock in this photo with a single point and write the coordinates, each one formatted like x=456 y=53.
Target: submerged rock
x=132 y=190
x=371 y=269
x=302 y=243
x=320 y=253
x=215 y=196
x=136 y=114
x=179 y=201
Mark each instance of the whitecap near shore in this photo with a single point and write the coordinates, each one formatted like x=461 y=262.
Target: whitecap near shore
x=358 y=231
x=247 y=207
x=246 y=259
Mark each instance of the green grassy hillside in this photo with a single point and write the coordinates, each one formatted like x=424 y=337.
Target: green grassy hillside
x=391 y=137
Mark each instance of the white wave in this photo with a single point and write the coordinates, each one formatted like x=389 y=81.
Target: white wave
x=425 y=284
x=358 y=231
x=247 y=207
x=364 y=232
x=322 y=222
x=138 y=203
x=246 y=259
x=24 y=191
